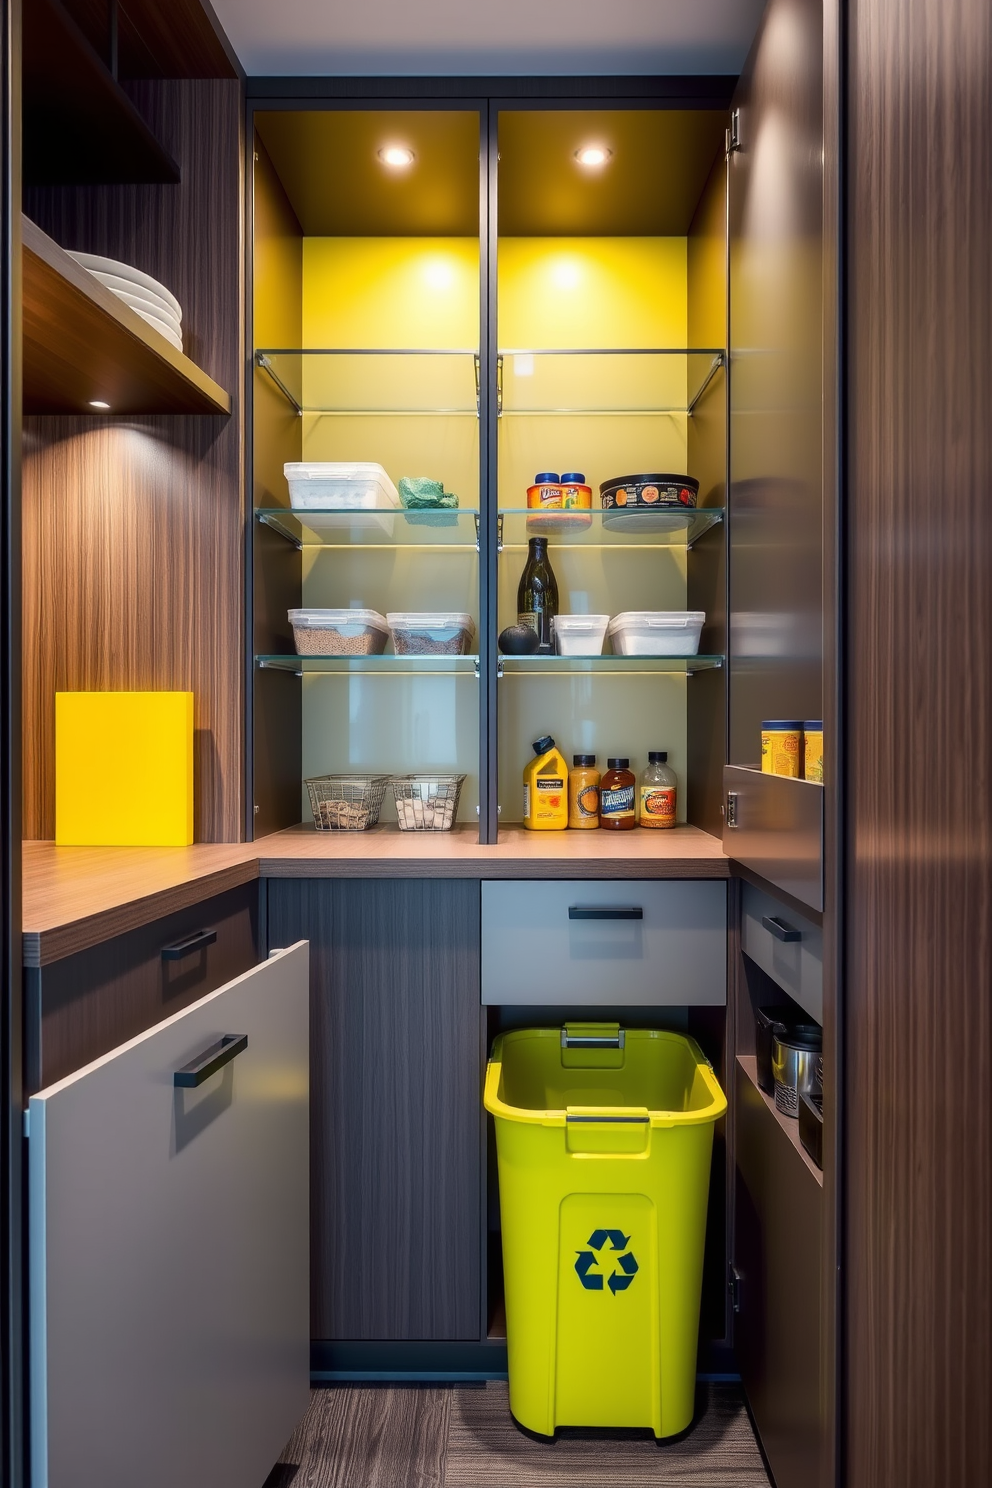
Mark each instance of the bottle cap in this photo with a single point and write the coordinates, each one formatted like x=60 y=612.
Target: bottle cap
x=545 y=478
x=657 y=756
x=542 y=745
x=573 y=478
x=619 y=764
x=583 y=759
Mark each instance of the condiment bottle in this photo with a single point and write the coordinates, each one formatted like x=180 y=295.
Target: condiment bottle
x=657 y=795
x=546 y=788
x=537 y=596
x=616 y=797
x=583 y=791
x=780 y=746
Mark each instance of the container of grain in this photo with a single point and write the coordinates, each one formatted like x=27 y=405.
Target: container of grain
x=430 y=633
x=339 y=632
x=427 y=803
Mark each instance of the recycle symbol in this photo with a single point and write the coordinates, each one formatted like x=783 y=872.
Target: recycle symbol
x=618 y=1280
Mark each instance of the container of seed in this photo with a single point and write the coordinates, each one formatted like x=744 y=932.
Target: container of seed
x=339 y=632
x=430 y=633
x=346 y=803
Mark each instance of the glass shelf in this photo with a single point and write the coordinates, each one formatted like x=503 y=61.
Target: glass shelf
x=633 y=382
x=673 y=529
x=381 y=666
x=617 y=666
x=361 y=528
x=368 y=382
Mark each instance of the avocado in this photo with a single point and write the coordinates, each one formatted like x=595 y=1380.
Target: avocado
x=518 y=640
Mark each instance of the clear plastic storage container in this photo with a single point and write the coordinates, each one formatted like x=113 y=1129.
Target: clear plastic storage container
x=329 y=484
x=339 y=632
x=657 y=632
x=580 y=635
x=430 y=633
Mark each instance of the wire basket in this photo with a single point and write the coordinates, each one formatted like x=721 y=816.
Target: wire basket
x=346 y=803
x=427 y=803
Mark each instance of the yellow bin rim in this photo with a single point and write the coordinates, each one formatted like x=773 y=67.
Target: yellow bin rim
x=712 y=1111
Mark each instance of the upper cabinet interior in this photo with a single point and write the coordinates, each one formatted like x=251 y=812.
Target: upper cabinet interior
x=479 y=297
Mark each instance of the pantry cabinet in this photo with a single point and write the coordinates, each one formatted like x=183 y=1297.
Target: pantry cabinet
x=397 y=1128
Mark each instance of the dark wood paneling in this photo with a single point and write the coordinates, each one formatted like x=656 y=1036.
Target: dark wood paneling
x=133 y=565
x=180 y=39
x=84 y=1005
x=396 y=1106
x=919 y=1028
x=777 y=1255
x=277 y=567
x=81 y=341
x=776 y=220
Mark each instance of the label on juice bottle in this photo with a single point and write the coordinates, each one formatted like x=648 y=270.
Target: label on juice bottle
x=617 y=803
x=550 y=790
x=657 y=805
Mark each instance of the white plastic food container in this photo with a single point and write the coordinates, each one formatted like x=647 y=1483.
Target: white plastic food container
x=657 y=632
x=430 y=633
x=330 y=484
x=580 y=635
x=339 y=632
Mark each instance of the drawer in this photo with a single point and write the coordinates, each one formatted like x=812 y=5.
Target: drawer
x=786 y=946
x=88 y=1003
x=630 y=943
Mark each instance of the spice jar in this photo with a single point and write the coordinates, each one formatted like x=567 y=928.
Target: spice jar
x=616 y=797
x=780 y=747
x=583 y=791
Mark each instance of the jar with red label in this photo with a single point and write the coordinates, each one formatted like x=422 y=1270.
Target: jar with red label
x=658 y=792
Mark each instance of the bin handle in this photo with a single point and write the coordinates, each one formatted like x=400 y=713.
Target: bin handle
x=608 y=1120
x=593 y=1040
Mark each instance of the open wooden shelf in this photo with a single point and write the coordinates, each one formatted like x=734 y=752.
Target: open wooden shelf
x=81 y=342
x=80 y=127
x=749 y=1065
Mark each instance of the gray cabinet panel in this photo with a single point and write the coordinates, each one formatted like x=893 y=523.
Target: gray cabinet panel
x=535 y=949
x=778 y=1222
x=396 y=1050
x=168 y=1250
x=795 y=964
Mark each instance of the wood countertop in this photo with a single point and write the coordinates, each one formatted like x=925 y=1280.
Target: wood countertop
x=75 y=897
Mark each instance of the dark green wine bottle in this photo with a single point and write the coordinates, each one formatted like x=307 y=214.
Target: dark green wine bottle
x=537 y=597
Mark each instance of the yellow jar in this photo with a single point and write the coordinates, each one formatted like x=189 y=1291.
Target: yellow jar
x=813 y=749
x=780 y=747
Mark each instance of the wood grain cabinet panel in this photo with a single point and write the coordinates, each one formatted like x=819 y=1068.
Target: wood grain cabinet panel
x=396 y=1113
x=87 y=1004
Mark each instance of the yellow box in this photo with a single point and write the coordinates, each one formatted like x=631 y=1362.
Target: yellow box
x=124 y=769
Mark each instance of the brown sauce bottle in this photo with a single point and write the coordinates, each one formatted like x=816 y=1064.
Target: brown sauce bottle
x=617 y=789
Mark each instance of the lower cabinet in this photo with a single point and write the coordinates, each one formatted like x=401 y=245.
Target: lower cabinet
x=778 y=1224
x=168 y=1247
x=397 y=1058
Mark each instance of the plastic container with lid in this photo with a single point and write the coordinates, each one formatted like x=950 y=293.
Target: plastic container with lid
x=329 y=484
x=559 y=503
x=430 y=633
x=813 y=750
x=657 y=632
x=580 y=635
x=780 y=746
x=339 y=632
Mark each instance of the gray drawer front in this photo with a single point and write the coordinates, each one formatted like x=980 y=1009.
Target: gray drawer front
x=797 y=965
x=85 y=1005
x=673 y=955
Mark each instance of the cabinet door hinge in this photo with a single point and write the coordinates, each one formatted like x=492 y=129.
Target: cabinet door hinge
x=734 y=132
x=734 y=1287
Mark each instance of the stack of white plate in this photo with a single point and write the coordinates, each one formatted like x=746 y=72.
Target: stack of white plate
x=152 y=301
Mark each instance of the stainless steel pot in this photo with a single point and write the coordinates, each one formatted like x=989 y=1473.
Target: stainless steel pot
x=797 y=1069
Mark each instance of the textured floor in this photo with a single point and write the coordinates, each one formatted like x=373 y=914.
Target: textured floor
x=463 y=1437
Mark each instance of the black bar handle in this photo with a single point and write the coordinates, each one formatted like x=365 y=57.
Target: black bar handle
x=629 y=912
x=780 y=929
x=210 y=1061
x=184 y=948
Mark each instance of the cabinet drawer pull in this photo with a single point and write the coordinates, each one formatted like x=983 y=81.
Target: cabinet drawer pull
x=631 y=912
x=182 y=948
x=210 y=1061
x=780 y=929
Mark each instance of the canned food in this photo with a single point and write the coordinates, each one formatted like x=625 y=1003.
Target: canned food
x=813 y=749
x=780 y=747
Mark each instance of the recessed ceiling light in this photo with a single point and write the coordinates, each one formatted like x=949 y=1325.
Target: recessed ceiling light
x=98 y=403
x=398 y=156
x=593 y=155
